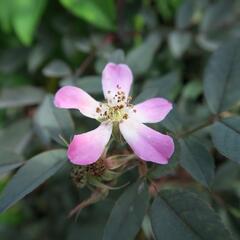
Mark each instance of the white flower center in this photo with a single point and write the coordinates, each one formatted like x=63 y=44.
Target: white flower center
x=116 y=109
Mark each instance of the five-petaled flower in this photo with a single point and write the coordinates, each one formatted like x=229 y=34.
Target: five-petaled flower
x=146 y=143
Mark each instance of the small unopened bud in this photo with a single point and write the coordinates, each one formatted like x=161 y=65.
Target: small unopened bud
x=78 y=175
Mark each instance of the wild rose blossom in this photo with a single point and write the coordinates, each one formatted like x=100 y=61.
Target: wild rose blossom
x=146 y=143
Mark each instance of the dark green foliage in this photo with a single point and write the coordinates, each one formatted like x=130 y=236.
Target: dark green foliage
x=101 y=15
x=9 y=160
x=128 y=212
x=186 y=51
x=53 y=123
x=195 y=158
x=221 y=81
x=31 y=175
x=10 y=97
x=226 y=137
x=182 y=215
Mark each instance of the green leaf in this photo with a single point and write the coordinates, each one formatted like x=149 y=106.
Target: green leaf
x=95 y=219
x=57 y=68
x=193 y=90
x=117 y=56
x=231 y=225
x=82 y=44
x=36 y=170
x=173 y=121
x=93 y=11
x=52 y=122
x=91 y=84
x=226 y=137
x=20 y=96
x=37 y=56
x=185 y=14
x=13 y=80
x=16 y=136
x=179 y=42
x=221 y=80
x=182 y=215
x=159 y=87
x=9 y=63
x=12 y=218
x=89 y=230
x=216 y=15
x=128 y=213
x=167 y=8
x=25 y=18
x=5 y=15
x=195 y=158
x=140 y=58
x=227 y=177
x=9 y=160
x=163 y=170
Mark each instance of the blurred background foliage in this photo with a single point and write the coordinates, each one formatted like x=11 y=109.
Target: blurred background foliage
x=47 y=44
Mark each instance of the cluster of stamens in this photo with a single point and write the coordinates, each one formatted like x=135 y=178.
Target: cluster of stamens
x=116 y=109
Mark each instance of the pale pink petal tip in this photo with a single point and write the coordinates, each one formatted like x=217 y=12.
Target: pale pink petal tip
x=88 y=147
x=116 y=77
x=70 y=97
x=152 y=110
x=147 y=144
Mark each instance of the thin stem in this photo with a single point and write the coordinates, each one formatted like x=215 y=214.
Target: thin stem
x=207 y=123
x=142 y=168
x=86 y=63
x=63 y=140
x=120 y=18
x=188 y=132
x=95 y=197
x=90 y=58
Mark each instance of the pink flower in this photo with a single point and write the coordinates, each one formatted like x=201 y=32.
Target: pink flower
x=146 y=143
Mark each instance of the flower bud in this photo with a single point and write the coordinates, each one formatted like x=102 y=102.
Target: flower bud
x=78 y=175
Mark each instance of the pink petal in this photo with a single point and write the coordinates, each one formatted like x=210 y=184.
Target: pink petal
x=73 y=97
x=116 y=77
x=87 y=148
x=147 y=144
x=152 y=110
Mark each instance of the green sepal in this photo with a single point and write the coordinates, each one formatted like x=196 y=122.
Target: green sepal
x=110 y=175
x=116 y=132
